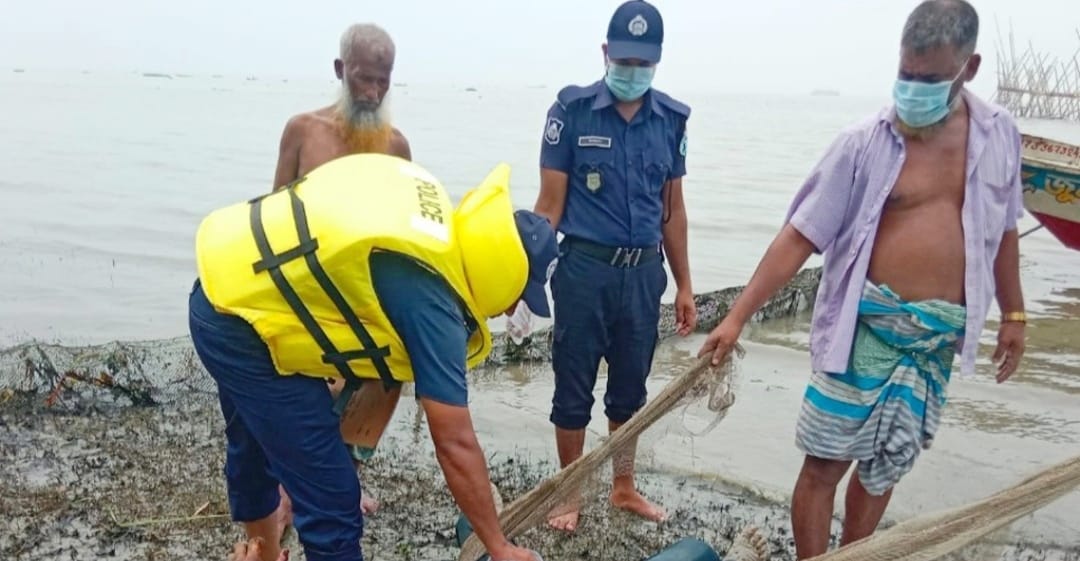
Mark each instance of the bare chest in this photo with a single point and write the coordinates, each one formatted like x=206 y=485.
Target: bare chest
x=933 y=173
x=322 y=144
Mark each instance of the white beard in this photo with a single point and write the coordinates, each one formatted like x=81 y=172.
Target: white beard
x=363 y=116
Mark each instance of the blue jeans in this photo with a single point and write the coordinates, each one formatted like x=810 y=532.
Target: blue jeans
x=279 y=429
x=602 y=311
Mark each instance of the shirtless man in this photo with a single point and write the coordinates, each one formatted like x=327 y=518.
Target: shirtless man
x=915 y=211
x=359 y=122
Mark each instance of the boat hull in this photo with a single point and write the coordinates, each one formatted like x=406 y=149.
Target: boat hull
x=1050 y=172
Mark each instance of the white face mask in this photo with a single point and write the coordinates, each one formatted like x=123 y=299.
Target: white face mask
x=519 y=326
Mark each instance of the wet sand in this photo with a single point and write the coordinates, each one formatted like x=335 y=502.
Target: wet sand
x=99 y=479
x=103 y=484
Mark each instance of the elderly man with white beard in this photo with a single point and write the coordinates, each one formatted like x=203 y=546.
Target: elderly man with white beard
x=359 y=122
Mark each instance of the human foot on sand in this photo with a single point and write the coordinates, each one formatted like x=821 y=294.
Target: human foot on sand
x=251 y=550
x=565 y=522
x=749 y=545
x=632 y=501
x=565 y=516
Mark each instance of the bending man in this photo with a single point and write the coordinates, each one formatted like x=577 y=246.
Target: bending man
x=362 y=270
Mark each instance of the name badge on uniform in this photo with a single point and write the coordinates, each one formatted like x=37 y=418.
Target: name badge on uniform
x=594 y=141
x=592 y=180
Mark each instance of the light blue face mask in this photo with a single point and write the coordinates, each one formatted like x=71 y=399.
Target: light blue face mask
x=628 y=83
x=919 y=104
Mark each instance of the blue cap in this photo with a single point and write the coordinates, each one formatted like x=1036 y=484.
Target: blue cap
x=636 y=31
x=542 y=248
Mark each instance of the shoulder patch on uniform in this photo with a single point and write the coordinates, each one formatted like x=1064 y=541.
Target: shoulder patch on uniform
x=570 y=94
x=671 y=103
x=682 y=145
x=553 y=131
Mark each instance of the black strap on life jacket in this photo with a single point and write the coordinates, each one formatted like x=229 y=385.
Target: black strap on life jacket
x=271 y=263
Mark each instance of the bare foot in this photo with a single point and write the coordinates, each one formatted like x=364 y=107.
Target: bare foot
x=565 y=517
x=251 y=550
x=565 y=522
x=368 y=505
x=633 y=501
x=749 y=545
x=283 y=513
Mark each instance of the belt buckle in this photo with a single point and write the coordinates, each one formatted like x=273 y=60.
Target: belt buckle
x=626 y=257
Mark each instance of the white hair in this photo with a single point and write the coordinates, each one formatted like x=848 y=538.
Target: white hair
x=367 y=37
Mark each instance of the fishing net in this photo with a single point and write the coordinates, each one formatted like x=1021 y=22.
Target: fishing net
x=936 y=535
x=703 y=385
x=691 y=405
x=150 y=372
x=161 y=371
x=128 y=373
x=156 y=371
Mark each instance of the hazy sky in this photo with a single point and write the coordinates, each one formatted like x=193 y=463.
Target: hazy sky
x=711 y=45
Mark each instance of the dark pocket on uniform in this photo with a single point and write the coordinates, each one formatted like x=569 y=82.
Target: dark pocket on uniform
x=656 y=172
x=662 y=280
x=658 y=163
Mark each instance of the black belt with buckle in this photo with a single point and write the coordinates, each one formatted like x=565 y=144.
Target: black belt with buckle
x=621 y=257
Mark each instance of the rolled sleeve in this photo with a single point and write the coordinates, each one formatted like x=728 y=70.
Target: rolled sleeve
x=556 y=151
x=820 y=205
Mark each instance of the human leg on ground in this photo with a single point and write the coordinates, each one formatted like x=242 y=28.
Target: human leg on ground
x=579 y=339
x=368 y=504
x=862 y=510
x=280 y=429
x=812 y=504
x=629 y=355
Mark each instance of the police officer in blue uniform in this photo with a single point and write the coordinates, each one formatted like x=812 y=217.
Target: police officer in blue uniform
x=612 y=160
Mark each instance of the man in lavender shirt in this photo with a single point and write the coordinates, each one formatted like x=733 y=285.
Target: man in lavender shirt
x=915 y=211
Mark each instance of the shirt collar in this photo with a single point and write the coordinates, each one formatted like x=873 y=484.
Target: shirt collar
x=980 y=111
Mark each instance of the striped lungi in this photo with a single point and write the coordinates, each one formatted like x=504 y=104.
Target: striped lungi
x=887 y=406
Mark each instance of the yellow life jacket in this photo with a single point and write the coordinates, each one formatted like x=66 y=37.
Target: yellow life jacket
x=295 y=263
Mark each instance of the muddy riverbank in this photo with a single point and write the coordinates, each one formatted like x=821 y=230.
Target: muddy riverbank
x=90 y=479
x=126 y=483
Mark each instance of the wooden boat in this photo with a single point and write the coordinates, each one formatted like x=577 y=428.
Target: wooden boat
x=1050 y=172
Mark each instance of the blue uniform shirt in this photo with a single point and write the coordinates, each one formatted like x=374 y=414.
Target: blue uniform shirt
x=431 y=323
x=617 y=170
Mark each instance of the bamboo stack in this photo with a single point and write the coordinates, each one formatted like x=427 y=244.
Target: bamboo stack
x=1036 y=85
